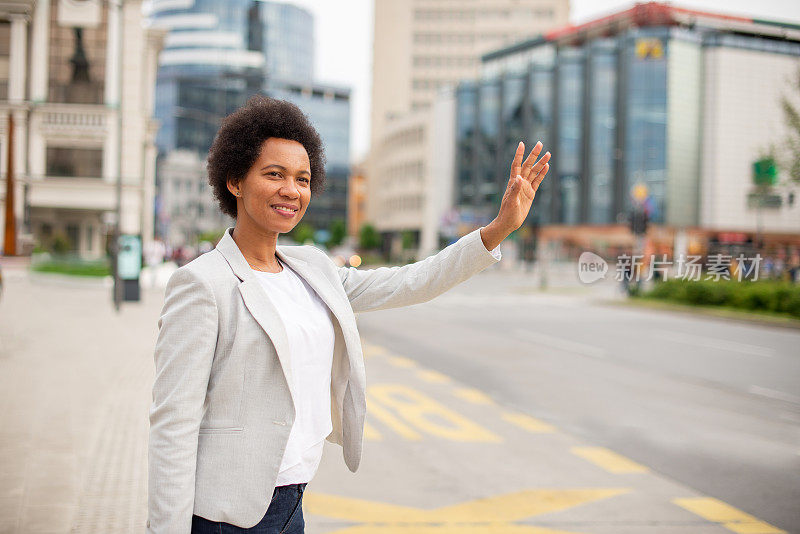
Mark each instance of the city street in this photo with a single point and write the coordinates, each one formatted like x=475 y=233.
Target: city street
x=494 y=408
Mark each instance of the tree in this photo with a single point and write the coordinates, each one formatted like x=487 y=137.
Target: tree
x=368 y=238
x=789 y=157
x=303 y=232
x=338 y=232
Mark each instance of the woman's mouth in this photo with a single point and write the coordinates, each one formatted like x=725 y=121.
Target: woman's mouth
x=285 y=211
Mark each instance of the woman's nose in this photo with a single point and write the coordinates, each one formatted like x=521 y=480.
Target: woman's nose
x=290 y=189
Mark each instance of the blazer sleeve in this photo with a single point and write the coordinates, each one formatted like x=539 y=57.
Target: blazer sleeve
x=391 y=287
x=184 y=352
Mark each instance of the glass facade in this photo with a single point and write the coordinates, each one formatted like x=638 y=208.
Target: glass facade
x=540 y=128
x=466 y=139
x=218 y=54
x=568 y=144
x=569 y=99
x=602 y=130
x=646 y=124
x=488 y=145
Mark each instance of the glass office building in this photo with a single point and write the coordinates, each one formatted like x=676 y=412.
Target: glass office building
x=218 y=54
x=596 y=95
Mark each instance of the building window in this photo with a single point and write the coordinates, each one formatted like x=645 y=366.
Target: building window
x=74 y=162
x=73 y=234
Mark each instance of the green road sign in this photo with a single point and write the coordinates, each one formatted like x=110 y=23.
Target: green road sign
x=765 y=172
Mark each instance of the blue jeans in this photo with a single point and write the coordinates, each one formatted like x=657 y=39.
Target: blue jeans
x=284 y=516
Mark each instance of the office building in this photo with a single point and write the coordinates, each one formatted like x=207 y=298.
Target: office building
x=421 y=47
x=67 y=65
x=215 y=59
x=681 y=102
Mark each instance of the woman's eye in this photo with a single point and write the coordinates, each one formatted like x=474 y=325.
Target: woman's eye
x=273 y=173
x=305 y=180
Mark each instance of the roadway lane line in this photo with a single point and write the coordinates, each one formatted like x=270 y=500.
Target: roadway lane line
x=434 y=377
x=715 y=343
x=475 y=396
x=609 y=460
x=562 y=344
x=531 y=424
x=729 y=517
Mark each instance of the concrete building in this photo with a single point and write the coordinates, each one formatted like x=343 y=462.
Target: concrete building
x=682 y=102
x=215 y=59
x=187 y=199
x=420 y=47
x=61 y=87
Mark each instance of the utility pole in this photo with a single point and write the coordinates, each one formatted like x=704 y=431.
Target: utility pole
x=116 y=6
x=10 y=243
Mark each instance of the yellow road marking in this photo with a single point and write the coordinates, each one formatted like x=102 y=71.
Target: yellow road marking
x=373 y=350
x=526 y=422
x=608 y=460
x=490 y=515
x=378 y=411
x=428 y=415
x=731 y=518
x=371 y=434
x=433 y=376
x=399 y=361
x=473 y=395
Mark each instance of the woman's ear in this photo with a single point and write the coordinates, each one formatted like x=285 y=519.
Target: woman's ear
x=233 y=187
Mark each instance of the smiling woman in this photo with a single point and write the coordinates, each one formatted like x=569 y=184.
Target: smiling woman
x=263 y=166
x=258 y=359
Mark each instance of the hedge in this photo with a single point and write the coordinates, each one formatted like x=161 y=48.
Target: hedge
x=764 y=295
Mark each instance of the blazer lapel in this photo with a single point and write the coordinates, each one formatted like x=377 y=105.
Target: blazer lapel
x=261 y=307
x=259 y=304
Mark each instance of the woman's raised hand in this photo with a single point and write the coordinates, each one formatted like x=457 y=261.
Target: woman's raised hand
x=522 y=185
x=520 y=191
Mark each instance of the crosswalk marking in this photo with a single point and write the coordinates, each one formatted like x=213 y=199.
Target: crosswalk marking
x=608 y=460
x=731 y=518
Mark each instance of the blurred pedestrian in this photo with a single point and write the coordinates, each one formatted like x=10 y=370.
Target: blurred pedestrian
x=258 y=358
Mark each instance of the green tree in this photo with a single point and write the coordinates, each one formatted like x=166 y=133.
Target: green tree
x=303 y=232
x=789 y=157
x=338 y=233
x=60 y=244
x=368 y=237
x=408 y=239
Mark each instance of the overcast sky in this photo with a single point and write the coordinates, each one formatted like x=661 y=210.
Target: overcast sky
x=344 y=42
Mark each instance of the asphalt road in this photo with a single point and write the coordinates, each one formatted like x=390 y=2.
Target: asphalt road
x=710 y=403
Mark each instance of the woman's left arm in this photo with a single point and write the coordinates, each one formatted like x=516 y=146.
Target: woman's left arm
x=391 y=287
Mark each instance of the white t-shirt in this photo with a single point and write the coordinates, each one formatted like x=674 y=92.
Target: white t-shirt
x=309 y=328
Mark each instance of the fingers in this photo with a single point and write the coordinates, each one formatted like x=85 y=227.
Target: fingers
x=516 y=164
x=540 y=176
x=536 y=169
x=528 y=165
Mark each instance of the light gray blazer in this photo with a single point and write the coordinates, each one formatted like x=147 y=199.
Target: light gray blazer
x=222 y=407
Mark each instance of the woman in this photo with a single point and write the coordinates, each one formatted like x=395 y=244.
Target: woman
x=258 y=358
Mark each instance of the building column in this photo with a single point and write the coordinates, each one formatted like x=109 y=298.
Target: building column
x=17 y=68
x=40 y=57
x=112 y=91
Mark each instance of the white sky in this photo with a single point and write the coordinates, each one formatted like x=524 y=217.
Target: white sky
x=344 y=42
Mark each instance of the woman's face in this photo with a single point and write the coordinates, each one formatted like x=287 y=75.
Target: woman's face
x=276 y=191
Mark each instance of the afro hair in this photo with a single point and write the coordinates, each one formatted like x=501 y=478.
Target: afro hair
x=238 y=143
